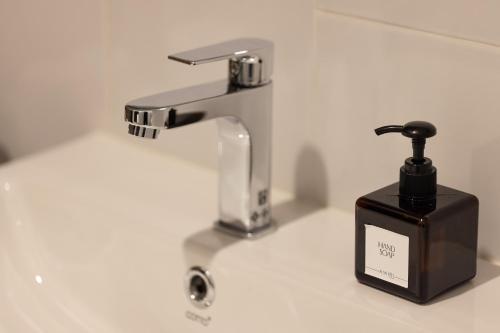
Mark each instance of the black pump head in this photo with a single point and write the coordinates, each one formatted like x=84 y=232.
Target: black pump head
x=417 y=179
x=418 y=131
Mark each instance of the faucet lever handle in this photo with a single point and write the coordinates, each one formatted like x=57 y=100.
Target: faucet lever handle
x=250 y=59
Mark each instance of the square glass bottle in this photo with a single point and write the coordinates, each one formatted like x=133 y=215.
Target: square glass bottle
x=416 y=239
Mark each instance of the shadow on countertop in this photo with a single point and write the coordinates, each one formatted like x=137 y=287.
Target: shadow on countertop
x=311 y=177
x=4 y=156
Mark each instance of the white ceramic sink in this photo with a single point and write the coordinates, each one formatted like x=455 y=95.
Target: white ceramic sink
x=98 y=234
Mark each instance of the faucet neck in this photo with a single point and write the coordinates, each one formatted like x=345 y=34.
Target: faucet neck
x=244 y=122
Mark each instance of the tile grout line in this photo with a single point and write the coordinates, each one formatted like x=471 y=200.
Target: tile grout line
x=409 y=28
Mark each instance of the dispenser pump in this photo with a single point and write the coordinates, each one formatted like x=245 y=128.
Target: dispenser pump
x=417 y=177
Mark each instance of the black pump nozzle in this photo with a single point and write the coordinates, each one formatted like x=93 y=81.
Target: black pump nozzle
x=418 y=176
x=418 y=131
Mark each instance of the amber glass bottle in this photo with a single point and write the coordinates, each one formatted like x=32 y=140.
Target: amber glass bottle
x=416 y=239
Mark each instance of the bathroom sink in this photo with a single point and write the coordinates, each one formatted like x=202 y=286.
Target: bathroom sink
x=97 y=235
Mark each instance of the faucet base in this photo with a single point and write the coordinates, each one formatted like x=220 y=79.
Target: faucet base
x=230 y=229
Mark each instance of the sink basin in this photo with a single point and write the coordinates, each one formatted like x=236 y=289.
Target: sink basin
x=97 y=235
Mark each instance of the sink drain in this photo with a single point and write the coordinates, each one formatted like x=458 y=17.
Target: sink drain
x=199 y=287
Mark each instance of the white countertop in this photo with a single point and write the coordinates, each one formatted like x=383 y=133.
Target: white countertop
x=97 y=234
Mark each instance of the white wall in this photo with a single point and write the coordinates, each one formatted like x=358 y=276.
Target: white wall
x=52 y=77
x=342 y=68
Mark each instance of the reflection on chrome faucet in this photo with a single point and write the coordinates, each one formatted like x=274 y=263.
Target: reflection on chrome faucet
x=242 y=106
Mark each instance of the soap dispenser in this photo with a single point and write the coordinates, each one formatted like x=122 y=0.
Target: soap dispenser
x=416 y=239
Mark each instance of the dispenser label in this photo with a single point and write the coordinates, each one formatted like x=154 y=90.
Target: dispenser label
x=387 y=255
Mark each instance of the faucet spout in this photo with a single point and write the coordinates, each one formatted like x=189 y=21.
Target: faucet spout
x=176 y=108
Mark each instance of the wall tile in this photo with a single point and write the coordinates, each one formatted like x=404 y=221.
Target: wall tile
x=52 y=84
x=371 y=74
x=474 y=20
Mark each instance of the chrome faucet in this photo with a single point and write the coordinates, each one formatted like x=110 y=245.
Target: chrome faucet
x=241 y=105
